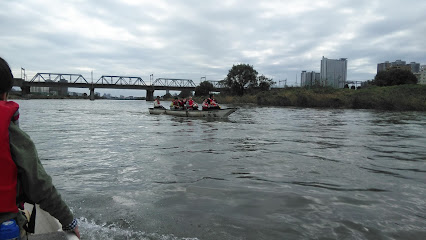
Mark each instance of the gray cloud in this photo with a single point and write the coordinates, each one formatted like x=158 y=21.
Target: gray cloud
x=192 y=39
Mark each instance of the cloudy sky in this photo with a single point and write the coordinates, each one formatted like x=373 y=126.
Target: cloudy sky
x=192 y=39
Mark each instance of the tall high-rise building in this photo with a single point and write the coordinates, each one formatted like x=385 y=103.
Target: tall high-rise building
x=309 y=79
x=334 y=72
x=399 y=64
x=383 y=66
x=415 y=67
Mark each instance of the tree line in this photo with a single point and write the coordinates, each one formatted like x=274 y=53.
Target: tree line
x=243 y=79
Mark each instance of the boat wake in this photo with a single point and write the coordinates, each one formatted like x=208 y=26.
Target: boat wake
x=93 y=231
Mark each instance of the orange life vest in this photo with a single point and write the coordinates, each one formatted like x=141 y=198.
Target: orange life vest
x=8 y=169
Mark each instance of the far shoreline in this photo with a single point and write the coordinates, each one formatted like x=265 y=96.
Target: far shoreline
x=409 y=97
x=16 y=95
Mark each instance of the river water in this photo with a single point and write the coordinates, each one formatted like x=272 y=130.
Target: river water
x=263 y=173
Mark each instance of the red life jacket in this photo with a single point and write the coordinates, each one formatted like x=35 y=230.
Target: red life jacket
x=190 y=102
x=212 y=102
x=8 y=169
x=205 y=105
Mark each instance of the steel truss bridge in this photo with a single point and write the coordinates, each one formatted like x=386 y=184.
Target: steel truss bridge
x=61 y=80
x=218 y=84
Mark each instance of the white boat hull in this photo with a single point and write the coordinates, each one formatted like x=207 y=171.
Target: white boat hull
x=47 y=227
x=216 y=113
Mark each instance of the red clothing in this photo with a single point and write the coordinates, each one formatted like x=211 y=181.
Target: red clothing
x=212 y=102
x=8 y=169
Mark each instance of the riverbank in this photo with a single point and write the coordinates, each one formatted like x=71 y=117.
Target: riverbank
x=18 y=95
x=15 y=96
x=398 y=98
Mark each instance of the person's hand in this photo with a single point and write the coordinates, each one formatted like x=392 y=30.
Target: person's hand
x=77 y=232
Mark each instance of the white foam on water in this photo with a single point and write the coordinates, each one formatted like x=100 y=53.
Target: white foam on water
x=124 y=201
x=90 y=230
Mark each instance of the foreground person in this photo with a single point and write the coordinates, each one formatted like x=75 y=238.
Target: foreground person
x=22 y=176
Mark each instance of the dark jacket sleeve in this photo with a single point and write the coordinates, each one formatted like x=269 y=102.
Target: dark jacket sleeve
x=33 y=182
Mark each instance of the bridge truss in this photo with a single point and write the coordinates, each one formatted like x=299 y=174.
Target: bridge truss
x=59 y=77
x=173 y=82
x=120 y=80
x=78 y=78
x=217 y=84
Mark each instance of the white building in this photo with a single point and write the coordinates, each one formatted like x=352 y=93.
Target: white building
x=383 y=66
x=334 y=72
x=422 y=79
x=415 y=67
x=309 y=79
x=40 y=90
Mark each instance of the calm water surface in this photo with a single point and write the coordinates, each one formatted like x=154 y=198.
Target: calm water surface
x=264 y=173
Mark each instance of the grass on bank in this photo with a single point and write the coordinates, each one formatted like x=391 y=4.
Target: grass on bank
x=399 y=98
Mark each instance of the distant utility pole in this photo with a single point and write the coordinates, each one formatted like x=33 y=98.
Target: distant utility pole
x=23 y=69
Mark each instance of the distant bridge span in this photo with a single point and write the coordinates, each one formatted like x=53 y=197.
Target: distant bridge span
x=62 y=80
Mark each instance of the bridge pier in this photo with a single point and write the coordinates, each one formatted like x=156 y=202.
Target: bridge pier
x=25 y=90
x=149 y=95
x=92 y=94
x=64 y=81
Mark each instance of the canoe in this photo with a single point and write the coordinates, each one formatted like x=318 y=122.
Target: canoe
x=48 y=227
x=214 y=113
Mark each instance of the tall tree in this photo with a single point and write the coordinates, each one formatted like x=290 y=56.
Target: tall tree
x=241 y=76
x=204 y=88
x=394 y=77
x=265 y=83
x=185 y=93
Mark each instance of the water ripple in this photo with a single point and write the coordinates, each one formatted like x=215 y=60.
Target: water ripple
x=264 y=173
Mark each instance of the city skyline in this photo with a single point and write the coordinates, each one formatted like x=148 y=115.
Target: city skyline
x=187 y=40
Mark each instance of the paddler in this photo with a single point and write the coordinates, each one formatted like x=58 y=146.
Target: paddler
x=175 y=104
x=212 y=104
x=192 y=105
x=157 y=103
